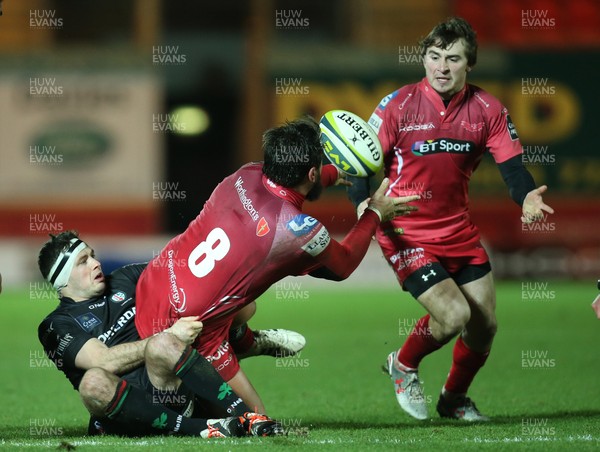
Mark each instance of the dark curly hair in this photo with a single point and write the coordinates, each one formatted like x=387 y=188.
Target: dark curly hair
x=447 y=33
x=291 y=150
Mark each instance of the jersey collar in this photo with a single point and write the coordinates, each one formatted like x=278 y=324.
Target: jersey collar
x=68 y=300
x=436 y=99
x=289 y=195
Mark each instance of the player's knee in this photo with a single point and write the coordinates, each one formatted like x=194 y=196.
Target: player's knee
x=455 y=320
x=164 y=348
x=93 y=382
x=97 y=388
x=491 y=327
x=486 y=324
x=244 y=314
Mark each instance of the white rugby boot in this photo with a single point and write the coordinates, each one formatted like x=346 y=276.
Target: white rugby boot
x=407 y=387
x=275 y=342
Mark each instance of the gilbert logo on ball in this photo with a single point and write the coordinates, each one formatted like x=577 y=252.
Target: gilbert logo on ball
x=350 y=143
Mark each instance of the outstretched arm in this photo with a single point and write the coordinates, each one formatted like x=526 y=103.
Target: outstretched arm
x=534 y=206
x=522 y=189
x=331 y=175
x=342 y=258
x=360 y=189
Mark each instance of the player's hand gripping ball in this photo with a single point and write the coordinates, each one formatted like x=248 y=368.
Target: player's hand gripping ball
x=350 y=143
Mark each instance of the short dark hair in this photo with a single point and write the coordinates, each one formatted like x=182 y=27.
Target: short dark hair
x=52 y=248
x=291 y=150
x=447 y=33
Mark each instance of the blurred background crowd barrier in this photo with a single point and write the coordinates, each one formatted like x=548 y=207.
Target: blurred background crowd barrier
x=119 y=118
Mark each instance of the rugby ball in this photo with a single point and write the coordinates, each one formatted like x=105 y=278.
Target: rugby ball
x=350 y=143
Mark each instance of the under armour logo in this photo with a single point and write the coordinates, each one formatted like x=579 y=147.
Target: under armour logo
x=426 y=277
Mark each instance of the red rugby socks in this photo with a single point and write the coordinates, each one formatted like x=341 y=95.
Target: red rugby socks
x=419 y=344
x=465 y=365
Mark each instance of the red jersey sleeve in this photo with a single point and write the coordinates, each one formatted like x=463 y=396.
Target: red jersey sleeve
x=383 y=122
x=329 y=174
x=342 y=258
x=503 y=141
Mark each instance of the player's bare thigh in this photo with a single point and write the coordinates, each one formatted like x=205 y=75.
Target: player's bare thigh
x=244 y=314
x=481 y=294
x=448 y=309
x=482 y=326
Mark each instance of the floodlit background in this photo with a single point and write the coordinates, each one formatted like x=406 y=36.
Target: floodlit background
x=119 y=118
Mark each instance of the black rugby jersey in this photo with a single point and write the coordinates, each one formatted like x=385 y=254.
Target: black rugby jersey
x=109 y=318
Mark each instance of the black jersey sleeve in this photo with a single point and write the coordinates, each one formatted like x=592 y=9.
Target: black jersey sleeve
x=62 y=339
x=518 y=180
x=360 y=189
x=128 y=274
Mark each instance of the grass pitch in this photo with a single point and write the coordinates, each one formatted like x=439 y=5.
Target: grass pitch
x=541 y=384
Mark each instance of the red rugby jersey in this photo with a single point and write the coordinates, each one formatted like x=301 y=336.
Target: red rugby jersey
x=250 y=234
x=432 y=150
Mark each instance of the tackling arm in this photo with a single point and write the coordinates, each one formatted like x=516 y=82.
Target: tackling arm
x=118 y=359
x=123 y=358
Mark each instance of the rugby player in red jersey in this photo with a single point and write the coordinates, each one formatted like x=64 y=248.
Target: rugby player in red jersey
x=250 y=234
x=434 y=134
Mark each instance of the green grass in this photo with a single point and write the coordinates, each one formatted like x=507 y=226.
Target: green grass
x=334 y=396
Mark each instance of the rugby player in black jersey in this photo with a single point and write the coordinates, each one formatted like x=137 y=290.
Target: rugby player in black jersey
x=132 y=387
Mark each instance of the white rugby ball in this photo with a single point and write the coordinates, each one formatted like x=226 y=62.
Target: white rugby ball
x=350 y=143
